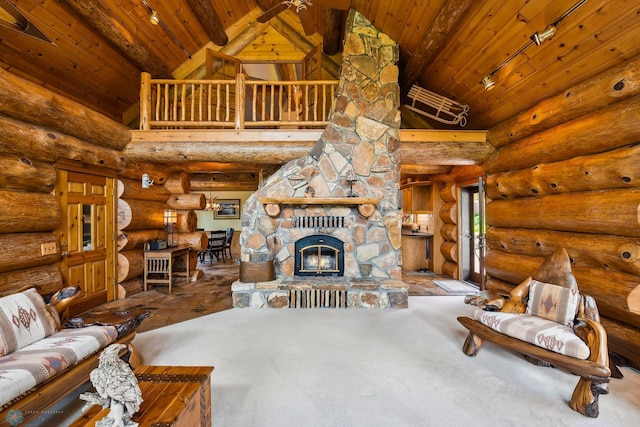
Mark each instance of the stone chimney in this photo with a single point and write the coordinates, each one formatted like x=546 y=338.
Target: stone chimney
x=356 y=156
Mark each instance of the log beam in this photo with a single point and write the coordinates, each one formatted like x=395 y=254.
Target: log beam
x=611 y=86
x=40 y=144
x=433 y=41
x=333 y=25
x=97 y=15
x=210 y=21
x=606 y=129
x=428 y=147
x=26 y=101
x=28 y=212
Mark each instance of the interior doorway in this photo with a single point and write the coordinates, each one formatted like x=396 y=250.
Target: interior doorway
x=86 y=232
x=472 y=235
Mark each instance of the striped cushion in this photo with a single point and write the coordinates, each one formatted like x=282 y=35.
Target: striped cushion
x=23 y=369
x=24 y=319
x=536 y=330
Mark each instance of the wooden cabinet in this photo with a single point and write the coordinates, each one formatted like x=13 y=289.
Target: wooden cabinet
x=417 y=198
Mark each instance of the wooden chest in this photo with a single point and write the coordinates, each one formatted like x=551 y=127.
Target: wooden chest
x=178 y=396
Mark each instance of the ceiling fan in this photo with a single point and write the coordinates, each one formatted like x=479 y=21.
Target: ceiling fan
x=302 y=8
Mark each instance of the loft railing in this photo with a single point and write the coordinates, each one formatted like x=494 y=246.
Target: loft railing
x=235 y=104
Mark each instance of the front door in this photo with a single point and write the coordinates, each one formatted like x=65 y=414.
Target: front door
x=86 y=234
x=472 y=233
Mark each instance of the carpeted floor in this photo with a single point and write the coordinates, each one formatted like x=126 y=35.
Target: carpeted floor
x=372 y=368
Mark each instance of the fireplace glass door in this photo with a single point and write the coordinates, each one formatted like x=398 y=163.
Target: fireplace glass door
x=319 y=256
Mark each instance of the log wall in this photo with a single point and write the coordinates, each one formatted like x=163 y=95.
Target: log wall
x=572 y=183
x=38 y=128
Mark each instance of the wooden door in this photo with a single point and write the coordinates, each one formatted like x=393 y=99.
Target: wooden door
x=86 y=233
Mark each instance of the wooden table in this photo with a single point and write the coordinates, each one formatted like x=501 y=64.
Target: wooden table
x=160 y=261
x=177 y=396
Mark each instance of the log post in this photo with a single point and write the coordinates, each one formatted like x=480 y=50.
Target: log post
x=187 y=221
x=450 y=251
x=130 y=265
x=145 y=101
x=140 y=215
x=450 y=269
x=197 y=240
x=135 y=239
x=448 y=213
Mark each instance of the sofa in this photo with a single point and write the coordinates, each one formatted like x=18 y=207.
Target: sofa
x=41 y=362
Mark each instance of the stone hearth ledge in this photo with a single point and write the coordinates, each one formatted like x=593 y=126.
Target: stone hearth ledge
x=360 y=292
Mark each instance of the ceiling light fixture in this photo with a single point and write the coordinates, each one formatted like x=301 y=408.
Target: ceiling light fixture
x=154 y=18
x=536 y=38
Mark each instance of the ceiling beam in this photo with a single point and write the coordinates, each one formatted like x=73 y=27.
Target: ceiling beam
x=210 y=21
x=333 y=25
x=433 y=41
x=97 y=15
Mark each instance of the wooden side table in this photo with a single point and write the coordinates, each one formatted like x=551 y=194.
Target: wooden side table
x=177 y=396
x=160 y=261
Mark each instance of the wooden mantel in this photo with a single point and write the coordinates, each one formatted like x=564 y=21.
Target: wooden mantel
x=319 y=200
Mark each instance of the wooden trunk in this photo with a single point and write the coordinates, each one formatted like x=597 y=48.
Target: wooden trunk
x=586 y=249
x=256 y=271
x=140 y=214
x=448 y=191
x=605 y=129
x=23 y=250
x=135 y=239
x=47 y=280
x=602 y=212
x=187 y=221
x=603 y=171
x=197 y=240
x=132 y=189
x=187 y=201
x=178 y=183
x=130 y=265
x=22 y=174
x=28 y=212
x=40 y=144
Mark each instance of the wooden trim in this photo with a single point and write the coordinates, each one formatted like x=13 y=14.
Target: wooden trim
x=319 y=200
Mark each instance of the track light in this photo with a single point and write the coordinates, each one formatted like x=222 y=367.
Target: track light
x=539 y=38
x=154 y=18
x=488 y=83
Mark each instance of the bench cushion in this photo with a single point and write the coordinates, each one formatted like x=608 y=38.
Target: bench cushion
x=23 y=369
x=553 y=302
x=24 y=319
x=536 y=330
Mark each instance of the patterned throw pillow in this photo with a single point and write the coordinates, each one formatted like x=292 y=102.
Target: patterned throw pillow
x=553 y=302
x=24 y=319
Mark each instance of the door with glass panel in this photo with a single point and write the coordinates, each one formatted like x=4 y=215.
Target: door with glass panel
x=86 y=236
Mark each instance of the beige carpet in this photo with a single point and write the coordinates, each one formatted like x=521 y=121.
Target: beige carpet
x=372 y=368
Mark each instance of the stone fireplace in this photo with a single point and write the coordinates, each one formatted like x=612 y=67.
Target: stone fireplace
x=330 y=222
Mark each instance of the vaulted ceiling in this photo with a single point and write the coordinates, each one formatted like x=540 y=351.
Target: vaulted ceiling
x=99 y=47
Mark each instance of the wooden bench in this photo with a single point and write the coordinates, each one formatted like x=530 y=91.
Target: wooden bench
x=594 y=371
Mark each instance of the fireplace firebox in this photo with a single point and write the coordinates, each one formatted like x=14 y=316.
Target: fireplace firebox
x=319 y=255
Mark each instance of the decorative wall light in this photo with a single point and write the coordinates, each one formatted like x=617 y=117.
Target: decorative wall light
x=351 y=177
x=146 y=182
x=154 y=18
x=536 y=38
x=170 y=220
